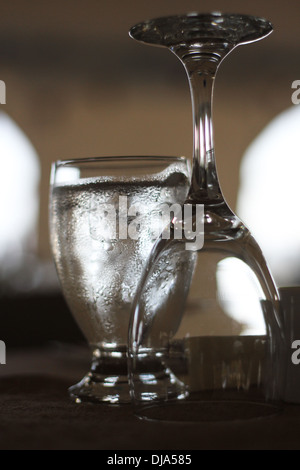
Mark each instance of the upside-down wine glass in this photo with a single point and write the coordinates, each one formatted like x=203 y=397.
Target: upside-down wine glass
x=205 y=333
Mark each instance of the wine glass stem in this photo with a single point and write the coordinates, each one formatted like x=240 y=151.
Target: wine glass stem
x=201 y=73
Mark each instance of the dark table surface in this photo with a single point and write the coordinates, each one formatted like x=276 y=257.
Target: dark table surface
x=36 y=413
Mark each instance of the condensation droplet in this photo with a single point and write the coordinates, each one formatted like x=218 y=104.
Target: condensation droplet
x=108 y=246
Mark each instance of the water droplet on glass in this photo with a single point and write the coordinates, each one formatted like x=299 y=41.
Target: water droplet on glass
x=108 y=246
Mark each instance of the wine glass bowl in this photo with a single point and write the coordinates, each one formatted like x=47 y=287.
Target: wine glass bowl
x=205 y=332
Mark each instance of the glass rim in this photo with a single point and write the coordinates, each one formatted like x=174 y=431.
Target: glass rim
x=115 y=158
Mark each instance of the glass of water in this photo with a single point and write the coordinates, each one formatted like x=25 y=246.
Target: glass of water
x=105 y=215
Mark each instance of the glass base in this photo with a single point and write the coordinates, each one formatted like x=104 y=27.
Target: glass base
x=206 y=411
x=107 y=380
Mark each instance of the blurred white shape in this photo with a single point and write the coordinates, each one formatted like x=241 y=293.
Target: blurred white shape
x=269 y=193
x=19 y=199
x=240 y=295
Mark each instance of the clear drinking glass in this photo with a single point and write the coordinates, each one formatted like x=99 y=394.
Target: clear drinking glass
x=205 y=333
x=103 y=213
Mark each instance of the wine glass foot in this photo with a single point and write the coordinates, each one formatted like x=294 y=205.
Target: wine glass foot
x=107 y=380
x=193 y=411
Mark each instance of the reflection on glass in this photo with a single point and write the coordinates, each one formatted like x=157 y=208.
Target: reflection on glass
x=235 y=275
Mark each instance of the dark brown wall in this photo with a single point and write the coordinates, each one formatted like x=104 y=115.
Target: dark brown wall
x=78 y=86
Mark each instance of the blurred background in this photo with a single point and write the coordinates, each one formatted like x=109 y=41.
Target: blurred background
x=78 y=86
